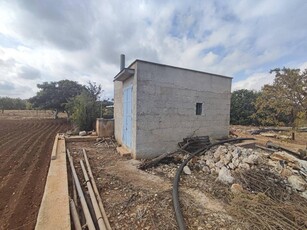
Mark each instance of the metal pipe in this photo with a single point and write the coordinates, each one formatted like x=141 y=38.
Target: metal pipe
x=105 y=217
x=176 y=204
x=122 y=62
x=75 y=216
x=74 y=191
x=85 y=209
x=93 y=198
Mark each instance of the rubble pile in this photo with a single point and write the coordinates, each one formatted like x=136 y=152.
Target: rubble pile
x=226 y=160
x=229 y=164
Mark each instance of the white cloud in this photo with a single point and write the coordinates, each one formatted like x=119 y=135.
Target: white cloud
x=83 y=41
x=303 y=66
x=254 y=82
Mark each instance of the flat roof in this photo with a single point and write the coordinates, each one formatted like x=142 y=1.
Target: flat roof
x=176 y=67
x=124 y=74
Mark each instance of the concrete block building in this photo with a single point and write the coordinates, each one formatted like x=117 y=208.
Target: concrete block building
x=156 y=106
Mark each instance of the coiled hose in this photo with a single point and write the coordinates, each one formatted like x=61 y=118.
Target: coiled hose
x=176 y=204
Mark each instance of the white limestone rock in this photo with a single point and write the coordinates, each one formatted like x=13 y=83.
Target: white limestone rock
x=297 y=183
x=225 y=176
x=187 y=170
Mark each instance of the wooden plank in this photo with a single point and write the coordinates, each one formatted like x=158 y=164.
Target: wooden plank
x=54 y=209
x=81 y=138
x=246 y=144
x=104 y=215
x=86 y=212
x=123 y=151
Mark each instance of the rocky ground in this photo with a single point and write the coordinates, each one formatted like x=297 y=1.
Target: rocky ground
x=228 y=187
x=236 y=171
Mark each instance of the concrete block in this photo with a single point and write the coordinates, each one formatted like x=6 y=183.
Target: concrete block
x=54 y=209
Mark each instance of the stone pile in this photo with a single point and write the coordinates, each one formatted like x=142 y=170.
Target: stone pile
x=225 y=160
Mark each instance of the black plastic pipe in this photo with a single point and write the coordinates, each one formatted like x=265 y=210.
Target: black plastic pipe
x=176 y=204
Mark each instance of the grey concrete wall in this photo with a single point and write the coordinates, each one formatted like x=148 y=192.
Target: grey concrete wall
x=166 y=107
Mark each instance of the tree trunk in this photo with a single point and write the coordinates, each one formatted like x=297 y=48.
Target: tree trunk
x=68 y=115
x=56 y=112
x=294 y=116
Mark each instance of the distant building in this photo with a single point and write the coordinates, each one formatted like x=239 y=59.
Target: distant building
x=156 y=106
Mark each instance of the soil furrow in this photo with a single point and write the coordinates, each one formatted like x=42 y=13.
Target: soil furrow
x=30 y=178
x=16 y=130
x=15 y=133
x=25 y=162
x=21 y=160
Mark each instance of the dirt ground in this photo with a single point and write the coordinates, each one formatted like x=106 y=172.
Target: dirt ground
x=136 y=199
x=300 y=141
x=29 y=114
x=26 y=146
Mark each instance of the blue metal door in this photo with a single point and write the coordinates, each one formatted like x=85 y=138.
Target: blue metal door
x=127 y=118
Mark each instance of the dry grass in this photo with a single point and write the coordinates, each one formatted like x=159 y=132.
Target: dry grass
x=29 y=114
x=268 y=202
x=263 y=180
x=261 y=212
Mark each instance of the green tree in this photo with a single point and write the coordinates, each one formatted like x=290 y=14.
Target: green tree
x=243 y=107
x=94 y=90
x=284 y=100
x=85 y=108
x=55 y=95
x=7 y=103
x=267 y=109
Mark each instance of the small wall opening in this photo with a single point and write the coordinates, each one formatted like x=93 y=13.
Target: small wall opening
x=199 y=108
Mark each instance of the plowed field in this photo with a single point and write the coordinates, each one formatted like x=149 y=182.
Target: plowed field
x=25 y=149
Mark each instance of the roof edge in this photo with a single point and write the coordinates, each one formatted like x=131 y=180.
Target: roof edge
x=176 y=67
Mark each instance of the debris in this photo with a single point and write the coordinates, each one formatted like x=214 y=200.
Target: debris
x=225 y=176
x=82 y=133
x=265 y=148
x=263 y=180
x=236 y=188
x=155 y=161
x=302 y=129
x=188 y=145
x=220 y=151
x=286 y=172
x=270 y=129
x=83 y=202
x=187 y=170
x=260 y=212
x=251 y=159
x=284 y=137
x=297 y=183
x=269 y=144
x=273 y=135
x=192 y=144
x=304 y=195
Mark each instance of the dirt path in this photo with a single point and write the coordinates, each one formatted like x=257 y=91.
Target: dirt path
x=25 y=148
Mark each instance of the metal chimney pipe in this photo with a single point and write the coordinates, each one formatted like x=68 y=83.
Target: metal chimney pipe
x=122 y=62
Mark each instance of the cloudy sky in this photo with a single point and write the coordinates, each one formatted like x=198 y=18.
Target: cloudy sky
x=46 y=40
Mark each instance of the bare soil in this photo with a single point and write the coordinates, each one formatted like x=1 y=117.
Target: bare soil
x=300 y=141
x=29 y=114
x=25 y=149
x=135 y=199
